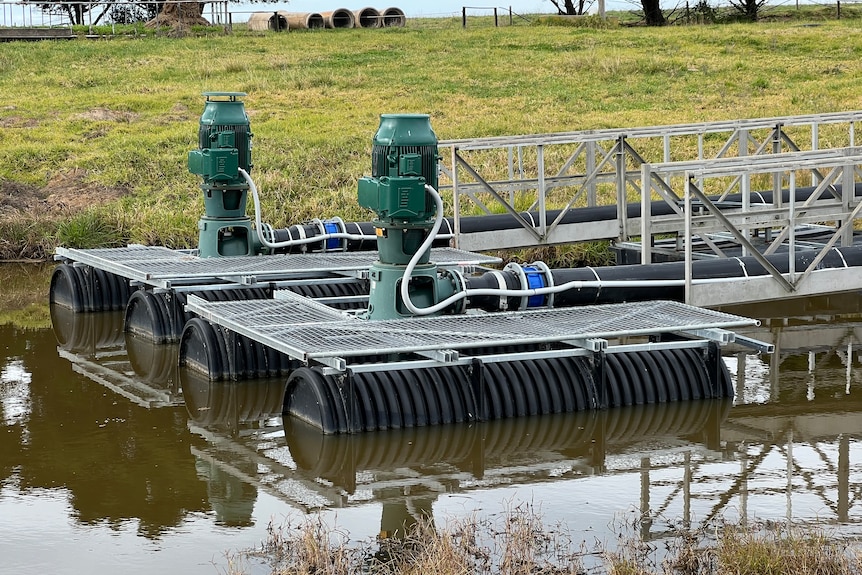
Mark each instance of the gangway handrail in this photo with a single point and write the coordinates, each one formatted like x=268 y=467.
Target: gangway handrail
x=603 y=134
x=845 y=163
x=605 y=156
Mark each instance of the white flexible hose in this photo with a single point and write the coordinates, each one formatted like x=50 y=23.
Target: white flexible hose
x=298 y=241
x=426 y=245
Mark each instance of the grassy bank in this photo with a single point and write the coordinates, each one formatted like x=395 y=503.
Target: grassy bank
x=94 y=139
x=24 y=286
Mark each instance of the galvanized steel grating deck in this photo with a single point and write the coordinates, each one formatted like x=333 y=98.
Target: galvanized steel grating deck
x=311 y=332
x=159 y=266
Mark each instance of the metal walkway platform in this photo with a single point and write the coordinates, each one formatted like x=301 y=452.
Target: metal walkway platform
x=164 y=268
x=314 y=333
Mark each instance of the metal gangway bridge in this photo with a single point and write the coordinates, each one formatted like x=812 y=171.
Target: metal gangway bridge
x=705 y=185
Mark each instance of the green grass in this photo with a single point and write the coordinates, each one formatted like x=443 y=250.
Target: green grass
x=124 y=111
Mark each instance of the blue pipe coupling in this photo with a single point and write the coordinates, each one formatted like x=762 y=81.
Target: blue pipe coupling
x=536 y=275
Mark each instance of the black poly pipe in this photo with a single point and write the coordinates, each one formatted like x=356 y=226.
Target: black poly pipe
x=702 y=269
x=633 y=210
x=357 y=228
x=88 y=289
x=371 y=401
x=496 y=222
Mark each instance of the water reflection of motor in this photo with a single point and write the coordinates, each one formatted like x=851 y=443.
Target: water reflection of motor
x=232 y=499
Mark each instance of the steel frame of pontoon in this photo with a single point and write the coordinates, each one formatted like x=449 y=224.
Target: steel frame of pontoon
x=315 y=334
x=606 y=155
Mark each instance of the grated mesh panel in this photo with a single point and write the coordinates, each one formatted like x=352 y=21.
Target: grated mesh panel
x=344 y=336
x=275 y=312
x=134 y=253
x=162 y=264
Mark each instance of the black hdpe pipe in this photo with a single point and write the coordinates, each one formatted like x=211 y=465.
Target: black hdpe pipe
x=358 y=229
x=222 y=355
x=406 y=398
x=633 y=210
x=160 y=317
x=724 y=268
x=498 y=222
x=88 y=289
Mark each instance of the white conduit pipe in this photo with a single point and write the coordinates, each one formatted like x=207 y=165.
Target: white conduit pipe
x=577 y=284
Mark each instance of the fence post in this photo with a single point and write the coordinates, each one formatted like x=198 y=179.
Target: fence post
x=496 y=24
x=839 y=10
x=463 y=16
x=511 y=20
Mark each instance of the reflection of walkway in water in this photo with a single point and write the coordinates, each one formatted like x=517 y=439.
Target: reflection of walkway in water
x=818 y=331
x=805 y=445
x=695 y=461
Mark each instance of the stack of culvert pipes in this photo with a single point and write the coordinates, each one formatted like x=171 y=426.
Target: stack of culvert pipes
x=263 y=21
x=339 y=18
x=392 y=17
x=304 y=20
x=367 y=18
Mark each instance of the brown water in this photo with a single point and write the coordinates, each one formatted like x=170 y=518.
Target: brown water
x=111 y=461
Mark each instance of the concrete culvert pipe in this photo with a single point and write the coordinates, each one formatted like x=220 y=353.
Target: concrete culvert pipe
x=303 y=20
x=367 y=18
x=263 y=21
x=393 y=17
x=340 y=18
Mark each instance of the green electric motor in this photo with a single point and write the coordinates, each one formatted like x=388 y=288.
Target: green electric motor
x=225 y=141
x=404 y=160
